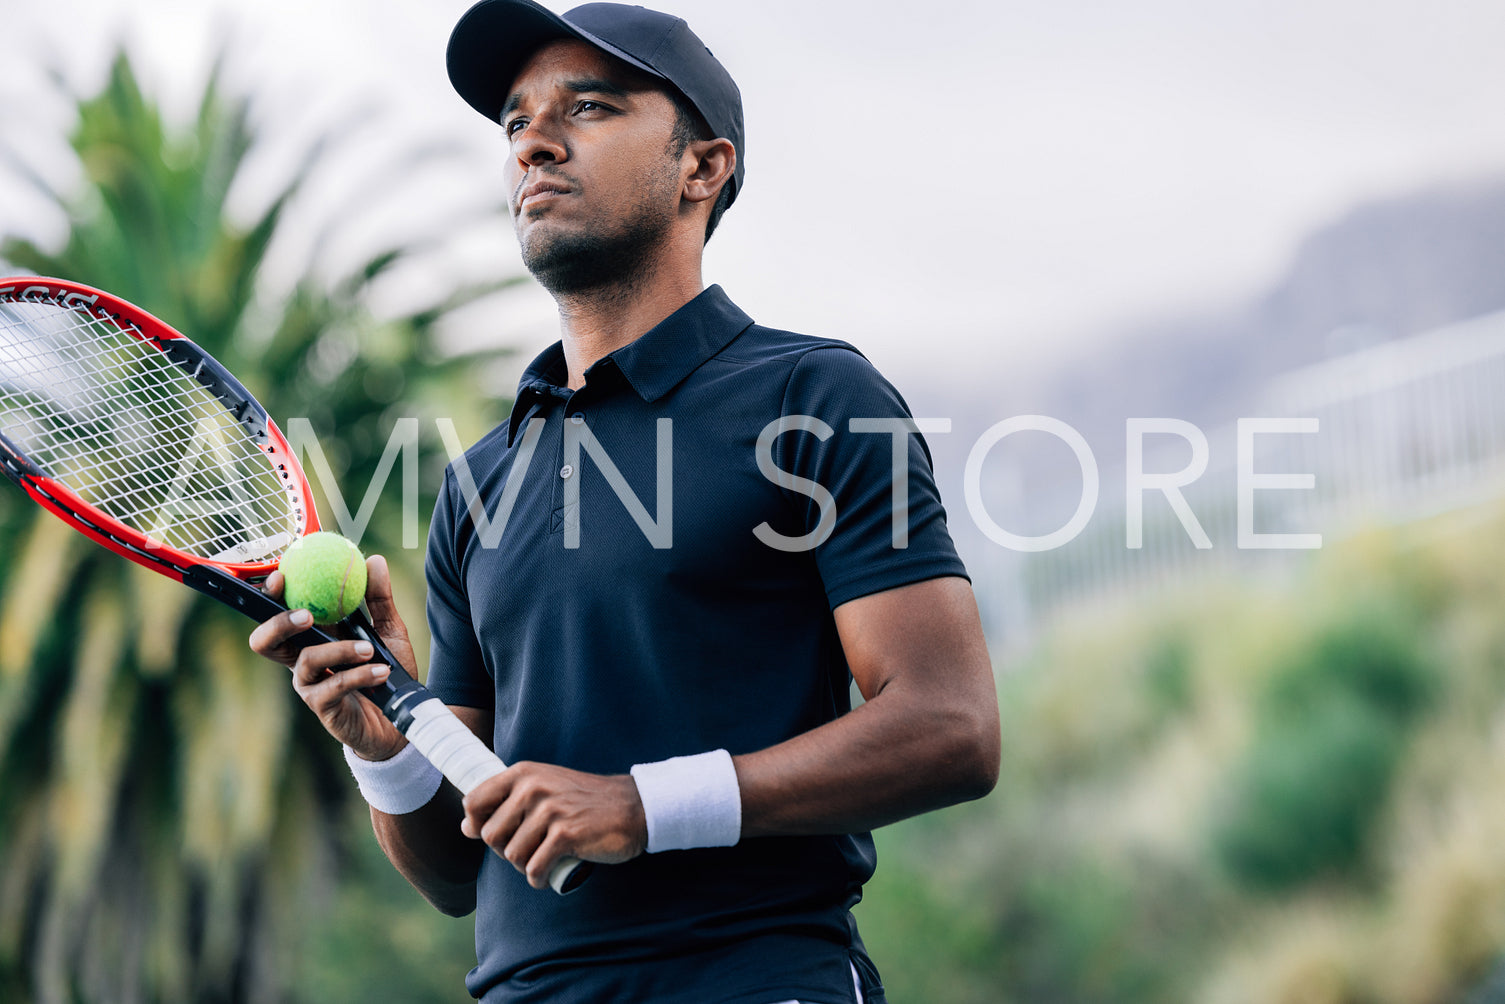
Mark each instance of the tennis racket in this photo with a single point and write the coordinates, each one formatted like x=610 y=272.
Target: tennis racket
x=138 y=439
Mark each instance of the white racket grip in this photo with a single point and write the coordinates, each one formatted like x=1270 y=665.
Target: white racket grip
x=451 y=746
x=466 y=761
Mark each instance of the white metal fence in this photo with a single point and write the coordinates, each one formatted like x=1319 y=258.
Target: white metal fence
x=1405 y=429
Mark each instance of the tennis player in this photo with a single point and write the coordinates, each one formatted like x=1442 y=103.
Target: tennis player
x=651 y=588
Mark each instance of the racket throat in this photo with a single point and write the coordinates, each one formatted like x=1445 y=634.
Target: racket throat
x=237 y=593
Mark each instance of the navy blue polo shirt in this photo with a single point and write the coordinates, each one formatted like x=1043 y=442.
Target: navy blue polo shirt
x=625 y=576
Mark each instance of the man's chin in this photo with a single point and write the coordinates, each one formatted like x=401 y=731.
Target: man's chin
x=563 y=265
x=569 y=262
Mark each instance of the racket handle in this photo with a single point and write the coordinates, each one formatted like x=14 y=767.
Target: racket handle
x=441 y=737
x=466 y=762
x=449 y=745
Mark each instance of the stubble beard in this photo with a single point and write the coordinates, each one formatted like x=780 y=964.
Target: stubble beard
x=619 y=254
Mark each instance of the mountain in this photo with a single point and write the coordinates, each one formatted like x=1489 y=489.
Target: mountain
x=1384 y=270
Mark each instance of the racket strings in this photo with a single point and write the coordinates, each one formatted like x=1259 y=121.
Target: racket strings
x=222 y=508
x=57 y=420
x=151 y=455
x=121 y=424
x=114 y=450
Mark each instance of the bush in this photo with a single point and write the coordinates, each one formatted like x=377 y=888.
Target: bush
x=1370 y=655
x=1306 y=795
x=1331 y=726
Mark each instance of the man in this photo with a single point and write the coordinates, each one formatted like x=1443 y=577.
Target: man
x=670 y=686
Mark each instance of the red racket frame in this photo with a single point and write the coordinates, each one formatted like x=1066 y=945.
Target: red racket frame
x=400 y=697
x=100 y=527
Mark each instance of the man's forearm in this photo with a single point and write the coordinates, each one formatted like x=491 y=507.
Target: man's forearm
x=885 y=761
x=927 y=737
x=428 y=849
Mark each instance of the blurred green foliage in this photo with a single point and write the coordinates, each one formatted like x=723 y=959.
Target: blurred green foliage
x=1283 y=789
x=172 y=816
x=1331 y=726
x=1367 y=654
x=1304 y=799
x=1168 y=677
x=1280 y=790
x=380 y=940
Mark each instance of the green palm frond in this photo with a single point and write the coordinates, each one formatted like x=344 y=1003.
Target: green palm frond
x=171 y=817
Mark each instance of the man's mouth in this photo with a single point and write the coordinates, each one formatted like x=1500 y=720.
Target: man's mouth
x=538 y=191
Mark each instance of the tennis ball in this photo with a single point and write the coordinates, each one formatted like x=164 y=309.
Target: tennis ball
x=325 y=574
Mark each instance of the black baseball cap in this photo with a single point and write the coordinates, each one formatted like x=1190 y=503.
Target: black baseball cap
x=495 y=37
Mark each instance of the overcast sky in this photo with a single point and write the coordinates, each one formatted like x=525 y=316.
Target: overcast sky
x=956 y=187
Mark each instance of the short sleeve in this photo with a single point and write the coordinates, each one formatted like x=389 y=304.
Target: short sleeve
x=457 y=673
x=857 y=464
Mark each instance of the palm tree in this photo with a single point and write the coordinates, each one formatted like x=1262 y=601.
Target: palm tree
x=169 y=811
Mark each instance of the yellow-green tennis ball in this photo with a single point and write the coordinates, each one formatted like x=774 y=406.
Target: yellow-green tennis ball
x=324 y=574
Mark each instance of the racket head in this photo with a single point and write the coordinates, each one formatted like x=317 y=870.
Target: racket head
x=138 y=438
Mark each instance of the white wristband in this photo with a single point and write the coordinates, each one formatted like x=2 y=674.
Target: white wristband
x=690 y=801
x=397 y=786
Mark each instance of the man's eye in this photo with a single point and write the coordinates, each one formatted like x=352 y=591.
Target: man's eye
x=511 y=128
x=586 y=106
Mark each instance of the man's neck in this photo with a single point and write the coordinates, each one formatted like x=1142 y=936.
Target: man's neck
x=596 y=323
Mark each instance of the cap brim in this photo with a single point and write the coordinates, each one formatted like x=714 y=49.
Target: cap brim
x=494 y=38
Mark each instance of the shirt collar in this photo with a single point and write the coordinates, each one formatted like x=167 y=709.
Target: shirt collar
x=653 y=364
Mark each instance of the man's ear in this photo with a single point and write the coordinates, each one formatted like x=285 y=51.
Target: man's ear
x=714 y=162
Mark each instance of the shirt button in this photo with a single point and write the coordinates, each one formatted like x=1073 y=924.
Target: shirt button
x=566 y=471
x=578 y=418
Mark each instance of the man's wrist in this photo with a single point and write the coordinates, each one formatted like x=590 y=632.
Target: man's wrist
x=398 y=785
x=690 y=801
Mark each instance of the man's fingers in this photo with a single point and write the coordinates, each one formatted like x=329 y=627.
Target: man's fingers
x=519 y=824
x=545 y=856
x=532 y=815
x=542 y=838
x=524 y=846
x=384 y=616
x=328 y=676
x=501 y=829
x=529 y=816
x=325 y=697
x=481 y=802
x=272 y=633
x=379 y=590
x=315 y=662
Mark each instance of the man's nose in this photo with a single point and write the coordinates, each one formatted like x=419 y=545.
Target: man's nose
x=538 y=143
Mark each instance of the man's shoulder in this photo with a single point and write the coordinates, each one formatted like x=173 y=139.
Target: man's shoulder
x=805 y=367
x=480 y=455
x=760 y=345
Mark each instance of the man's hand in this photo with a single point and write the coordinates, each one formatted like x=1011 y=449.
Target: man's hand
x=329 y=677
x=533 y=814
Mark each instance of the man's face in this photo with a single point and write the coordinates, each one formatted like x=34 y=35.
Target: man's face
x=592 y=187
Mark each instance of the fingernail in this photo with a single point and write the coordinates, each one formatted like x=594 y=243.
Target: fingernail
x=364 y=649
x=302 y=618
x=380 y=673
